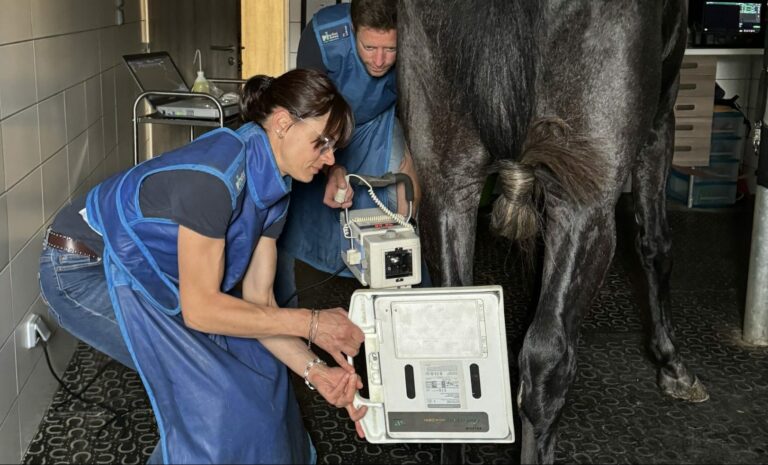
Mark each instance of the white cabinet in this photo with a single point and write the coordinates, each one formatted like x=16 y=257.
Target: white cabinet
x=693 y=111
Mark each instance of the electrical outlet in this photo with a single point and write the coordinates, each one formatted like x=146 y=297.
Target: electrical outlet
x=34 y=329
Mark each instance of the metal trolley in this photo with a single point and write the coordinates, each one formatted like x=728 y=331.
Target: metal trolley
x=157 y=118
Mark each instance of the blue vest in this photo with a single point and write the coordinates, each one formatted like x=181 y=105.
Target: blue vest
x=216 y=399
x=312 y=232
x=368 y=96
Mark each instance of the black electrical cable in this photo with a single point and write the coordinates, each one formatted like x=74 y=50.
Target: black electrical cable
x=335 y=273
x=95 y=377
x=117 y=415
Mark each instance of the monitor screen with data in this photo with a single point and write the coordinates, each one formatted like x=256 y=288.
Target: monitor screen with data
x=742 y=17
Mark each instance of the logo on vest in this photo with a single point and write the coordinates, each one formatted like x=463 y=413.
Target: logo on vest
x=335 y=33
x=240 y=181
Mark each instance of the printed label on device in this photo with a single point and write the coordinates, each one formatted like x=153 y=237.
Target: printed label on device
x=442 y=386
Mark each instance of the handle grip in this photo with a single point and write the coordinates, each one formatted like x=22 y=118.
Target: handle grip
x=387 y=180
x=359 y=400
x=341 y=195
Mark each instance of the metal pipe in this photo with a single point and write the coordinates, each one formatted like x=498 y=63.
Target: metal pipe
x=756 y=313
x=136 y=128
x=755 y=329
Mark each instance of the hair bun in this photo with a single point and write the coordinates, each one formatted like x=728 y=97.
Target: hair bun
x=253 y=103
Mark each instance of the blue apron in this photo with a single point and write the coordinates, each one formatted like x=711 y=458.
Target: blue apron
x=217 y=399
x=312 y=232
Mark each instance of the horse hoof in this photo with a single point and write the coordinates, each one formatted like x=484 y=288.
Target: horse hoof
x=683 y=390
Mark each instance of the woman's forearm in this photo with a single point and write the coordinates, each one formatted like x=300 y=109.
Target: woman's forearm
x=220 y=313
x=292 y=351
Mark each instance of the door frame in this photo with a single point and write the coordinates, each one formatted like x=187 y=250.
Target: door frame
x=264 y=35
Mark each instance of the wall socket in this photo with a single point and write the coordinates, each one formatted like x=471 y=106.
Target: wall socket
x=34 y=329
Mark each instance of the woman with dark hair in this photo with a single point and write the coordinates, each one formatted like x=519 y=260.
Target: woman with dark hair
x=146 y=269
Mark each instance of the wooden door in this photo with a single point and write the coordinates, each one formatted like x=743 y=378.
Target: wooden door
x=179 y=27
x=225 y=46
x=213 y=26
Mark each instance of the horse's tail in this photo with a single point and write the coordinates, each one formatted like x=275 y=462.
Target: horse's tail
x=555 y=161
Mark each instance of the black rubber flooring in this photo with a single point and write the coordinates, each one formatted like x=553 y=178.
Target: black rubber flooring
x=614 y=412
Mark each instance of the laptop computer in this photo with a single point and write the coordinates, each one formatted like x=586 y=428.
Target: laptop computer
x=157 y=71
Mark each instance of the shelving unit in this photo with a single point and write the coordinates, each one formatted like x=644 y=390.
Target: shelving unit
x=708 y=139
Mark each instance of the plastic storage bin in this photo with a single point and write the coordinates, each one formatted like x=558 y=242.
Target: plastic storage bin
x=725 y=146
x=719 y=169
x=697 y=191
x=727 y=122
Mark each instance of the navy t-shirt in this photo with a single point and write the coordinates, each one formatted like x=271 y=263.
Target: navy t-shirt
x=194 y=199
x=308 y=54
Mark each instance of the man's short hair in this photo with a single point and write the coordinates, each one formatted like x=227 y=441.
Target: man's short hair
x=375 y=14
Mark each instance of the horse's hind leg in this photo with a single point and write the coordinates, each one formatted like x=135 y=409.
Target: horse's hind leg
x=579 y=245
x=579 y=242
x=653 y=247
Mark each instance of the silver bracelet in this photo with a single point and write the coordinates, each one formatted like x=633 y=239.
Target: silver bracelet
x=308 y=367
x=313 y=323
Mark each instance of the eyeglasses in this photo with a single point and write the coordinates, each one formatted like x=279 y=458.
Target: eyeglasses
x=327 y=144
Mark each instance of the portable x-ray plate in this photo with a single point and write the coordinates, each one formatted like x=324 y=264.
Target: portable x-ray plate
x=437 y=365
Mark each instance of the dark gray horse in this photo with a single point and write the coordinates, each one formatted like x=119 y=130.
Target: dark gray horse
x=565 y=99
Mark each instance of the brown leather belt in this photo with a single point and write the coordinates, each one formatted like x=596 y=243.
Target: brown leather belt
x=67 y=244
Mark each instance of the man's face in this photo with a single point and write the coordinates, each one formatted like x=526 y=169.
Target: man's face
x=377 y=49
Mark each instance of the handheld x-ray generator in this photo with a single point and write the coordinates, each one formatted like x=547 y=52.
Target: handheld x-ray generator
x=436 y=357
x=384 y=251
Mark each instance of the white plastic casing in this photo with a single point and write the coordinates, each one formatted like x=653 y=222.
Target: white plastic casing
x=374 y=235
x=436 y=363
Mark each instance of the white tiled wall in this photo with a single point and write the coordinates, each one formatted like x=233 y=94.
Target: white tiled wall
x=65 y=104
x=739 y=75
x=294 y=25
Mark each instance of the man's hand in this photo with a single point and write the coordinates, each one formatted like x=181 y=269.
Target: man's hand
x=338 y=388
x=335 y=182
x=338 y=336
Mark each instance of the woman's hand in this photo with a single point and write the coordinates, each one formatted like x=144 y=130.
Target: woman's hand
x=338 y=388
x=338 y=336
x=336 y=181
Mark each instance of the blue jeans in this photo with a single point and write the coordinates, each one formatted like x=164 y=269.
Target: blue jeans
x=75 y=289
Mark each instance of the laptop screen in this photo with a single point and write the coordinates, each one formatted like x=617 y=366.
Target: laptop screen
x=156 y=71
